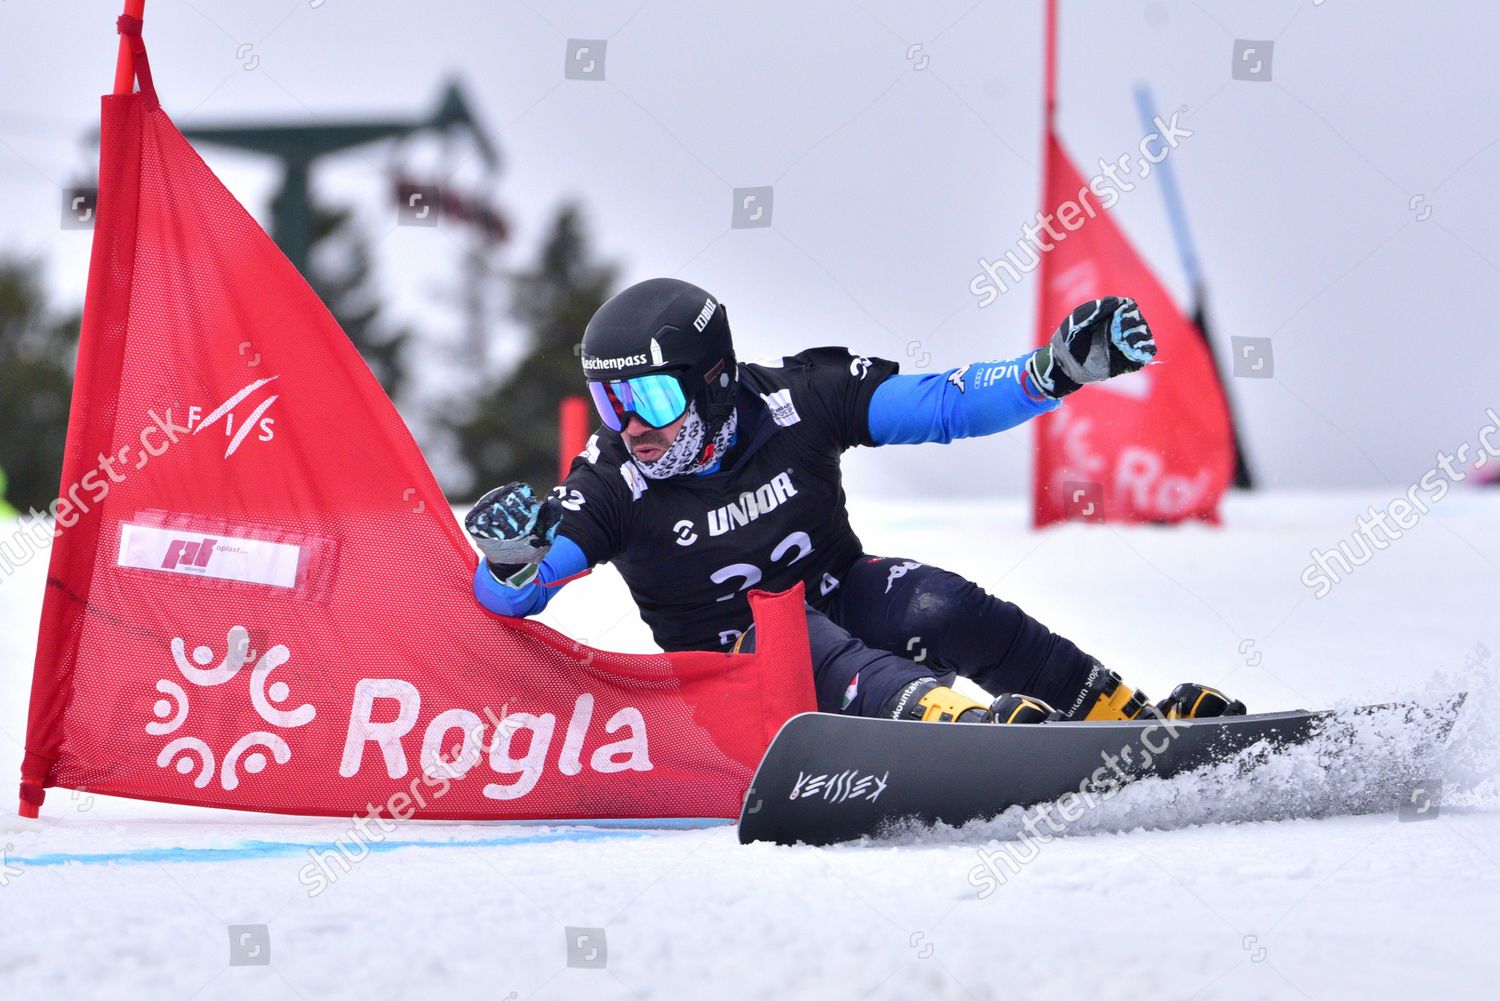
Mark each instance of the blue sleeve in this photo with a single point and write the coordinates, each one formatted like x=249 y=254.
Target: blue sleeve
x=564 y=560
x=977 y=399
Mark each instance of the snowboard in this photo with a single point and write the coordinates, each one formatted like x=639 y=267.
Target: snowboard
x=828 y=778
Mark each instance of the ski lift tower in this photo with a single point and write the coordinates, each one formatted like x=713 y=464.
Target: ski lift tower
x=299 y=146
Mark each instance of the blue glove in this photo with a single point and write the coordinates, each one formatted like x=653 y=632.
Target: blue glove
x=1099 y=340
x=514 y=530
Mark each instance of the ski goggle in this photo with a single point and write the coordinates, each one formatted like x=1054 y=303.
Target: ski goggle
x=657 y=399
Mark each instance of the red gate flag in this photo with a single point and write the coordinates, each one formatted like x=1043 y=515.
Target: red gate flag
x=1154 y=446
x=258 y=597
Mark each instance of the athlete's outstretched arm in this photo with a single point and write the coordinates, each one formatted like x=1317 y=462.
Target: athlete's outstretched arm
x=563 y=562
x=525 y=558
x=1100 y=339
x=977 y=399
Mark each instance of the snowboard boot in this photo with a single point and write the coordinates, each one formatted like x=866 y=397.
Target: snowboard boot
x=930 y=702
x=1191 y=701
x=1104 y=697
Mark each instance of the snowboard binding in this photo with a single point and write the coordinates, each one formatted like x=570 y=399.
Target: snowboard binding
x=1105 y=696
x=930 y=702
x=1193 y=701
x=1019 y=709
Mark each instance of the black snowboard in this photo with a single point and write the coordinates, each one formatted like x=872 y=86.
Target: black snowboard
x=828 y=778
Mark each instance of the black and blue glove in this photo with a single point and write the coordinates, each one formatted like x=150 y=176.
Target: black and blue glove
x=1099 y=340
x=514 y=530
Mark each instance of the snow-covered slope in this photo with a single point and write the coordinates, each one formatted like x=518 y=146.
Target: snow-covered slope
x=1175 y=890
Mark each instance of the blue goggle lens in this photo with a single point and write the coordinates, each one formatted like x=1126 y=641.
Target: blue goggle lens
x=657 y=399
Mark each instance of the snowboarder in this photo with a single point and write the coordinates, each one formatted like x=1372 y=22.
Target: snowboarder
x=710 y=477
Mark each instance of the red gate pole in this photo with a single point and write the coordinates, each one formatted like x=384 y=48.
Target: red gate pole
x=572 y=432
x=31 y=801
x=124 y=64
x=1049 y=88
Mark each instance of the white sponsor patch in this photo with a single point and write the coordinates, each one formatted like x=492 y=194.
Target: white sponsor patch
x=783 y=410
x=705 y=314
x=200 y=554
x=634 y=479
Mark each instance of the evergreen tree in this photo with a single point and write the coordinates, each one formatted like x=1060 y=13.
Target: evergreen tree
x=37 y=352
x=339 y=270
x=509 y=431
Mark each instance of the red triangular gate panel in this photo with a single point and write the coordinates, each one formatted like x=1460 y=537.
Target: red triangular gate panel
x=258 y=597
x=1154 y=446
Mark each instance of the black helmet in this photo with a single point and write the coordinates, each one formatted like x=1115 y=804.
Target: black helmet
x=666 y=325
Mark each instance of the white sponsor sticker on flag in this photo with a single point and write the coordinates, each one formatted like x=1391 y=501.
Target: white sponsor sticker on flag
x=200 y=554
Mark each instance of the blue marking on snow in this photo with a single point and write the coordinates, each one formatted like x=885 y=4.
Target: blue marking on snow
x=247 y=850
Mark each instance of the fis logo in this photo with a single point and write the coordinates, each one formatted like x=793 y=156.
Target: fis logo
x=238 y=431
x=182 y=553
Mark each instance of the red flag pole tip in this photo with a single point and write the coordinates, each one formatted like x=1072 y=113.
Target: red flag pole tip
x=32 y=795
x=124 y=64
x=1049 y=63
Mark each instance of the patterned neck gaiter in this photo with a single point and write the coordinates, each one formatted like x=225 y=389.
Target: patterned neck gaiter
x=682 y=458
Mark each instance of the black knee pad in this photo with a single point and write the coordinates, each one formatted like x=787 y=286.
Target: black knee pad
x=917 y=627
x=909 y=608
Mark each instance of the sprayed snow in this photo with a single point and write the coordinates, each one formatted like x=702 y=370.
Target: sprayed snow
x=1280 y=876
x=1366 y=763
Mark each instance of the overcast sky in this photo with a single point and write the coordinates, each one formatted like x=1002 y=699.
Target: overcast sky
x=1345 y=207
